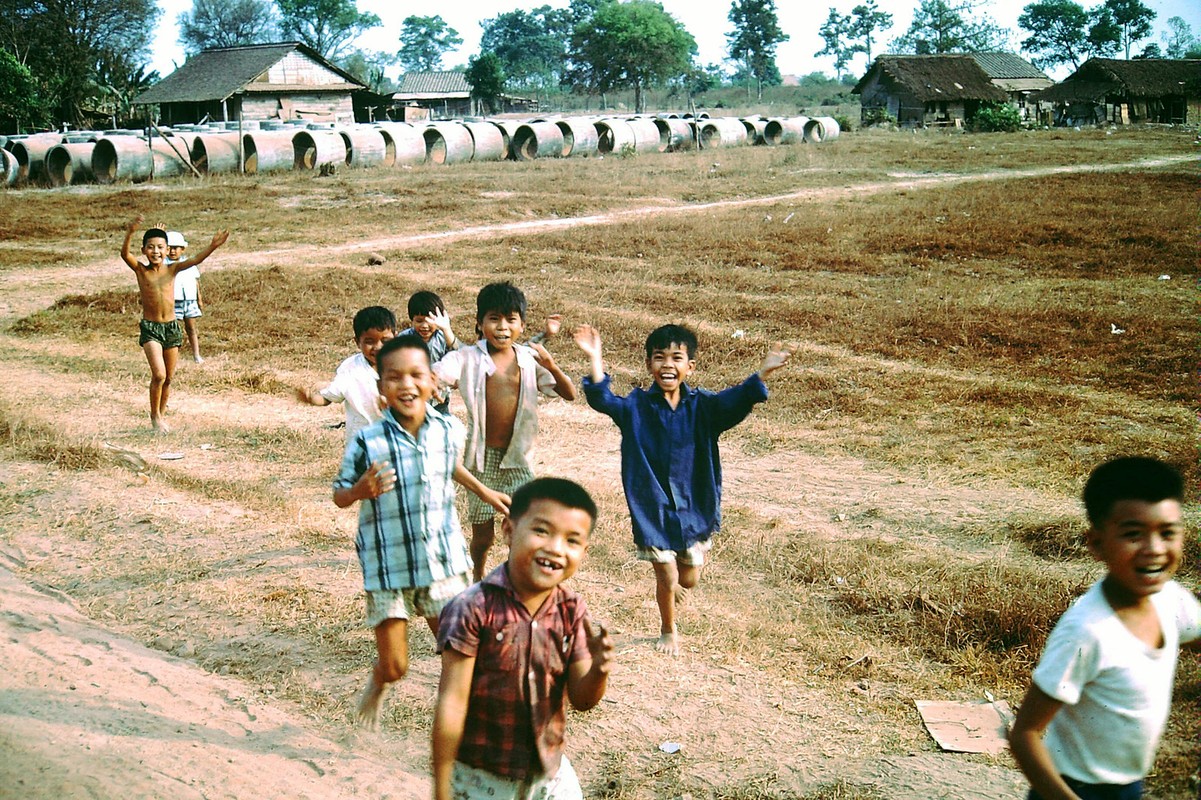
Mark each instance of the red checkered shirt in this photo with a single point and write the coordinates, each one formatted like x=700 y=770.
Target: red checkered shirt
x=515 y=717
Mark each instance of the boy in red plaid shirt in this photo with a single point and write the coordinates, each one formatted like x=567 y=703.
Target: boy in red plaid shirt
x=511 y=646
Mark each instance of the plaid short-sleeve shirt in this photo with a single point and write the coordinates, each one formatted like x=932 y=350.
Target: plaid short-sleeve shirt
x=408 y=537
x=515 y=717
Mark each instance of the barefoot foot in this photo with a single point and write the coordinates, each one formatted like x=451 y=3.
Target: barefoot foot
x=370 y=703
x=680 y=594
x=669 y=643
x=159 y=426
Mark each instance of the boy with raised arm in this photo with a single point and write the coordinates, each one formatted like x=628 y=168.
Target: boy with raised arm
x=670 y=464
x=1099 y=697
x=160 y=334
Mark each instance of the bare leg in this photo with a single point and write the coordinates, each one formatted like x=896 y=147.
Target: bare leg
x=482 y=535
x=158 y=377
x=170 y=362
x=391 y=663
x=189 y=325
x=666 y=584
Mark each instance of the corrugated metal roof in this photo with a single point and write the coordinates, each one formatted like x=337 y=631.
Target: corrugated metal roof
x=1007 y=65
x=448 y=82
x=218 y=73
x=927 y=78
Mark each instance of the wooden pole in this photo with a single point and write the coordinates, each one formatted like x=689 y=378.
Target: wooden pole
x=171 y=144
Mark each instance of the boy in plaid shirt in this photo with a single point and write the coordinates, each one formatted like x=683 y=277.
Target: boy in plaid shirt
x=402 y=469
x=511 y=646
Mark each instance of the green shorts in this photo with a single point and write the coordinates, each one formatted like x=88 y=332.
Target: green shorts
x=168 y=334
x=496 y=479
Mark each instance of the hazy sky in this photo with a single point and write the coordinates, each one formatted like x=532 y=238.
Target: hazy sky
x=706 y=20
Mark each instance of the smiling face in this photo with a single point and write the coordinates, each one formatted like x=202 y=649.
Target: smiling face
x=424 y=328
x=175 y=253
x=406 y=383
x=371 y=340
x=501 y=330
x=669 y=367
x=1141 y=544
x=155 y=250
x=546 y=544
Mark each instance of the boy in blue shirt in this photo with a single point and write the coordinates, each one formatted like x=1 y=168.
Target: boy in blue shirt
x=1099 y=697
x=670 y=465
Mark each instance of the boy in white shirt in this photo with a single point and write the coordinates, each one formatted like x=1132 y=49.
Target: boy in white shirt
x=188 y=302
x=1102 y=690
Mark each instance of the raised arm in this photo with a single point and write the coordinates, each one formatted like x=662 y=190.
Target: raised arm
x=126 y=255
x=588 y=678
x=218 y=239
x=441 y=320
x=563 y=384
x=776 y=357
x=589 y=340
x=1026 y=743
x=450 y=717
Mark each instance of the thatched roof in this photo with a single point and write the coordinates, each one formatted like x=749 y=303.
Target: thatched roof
x=929 y=78
x=433 y=84
x=1150 y=77
x=224 y=71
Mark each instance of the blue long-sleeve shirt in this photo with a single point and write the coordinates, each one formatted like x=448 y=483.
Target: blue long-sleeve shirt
x=670 y=466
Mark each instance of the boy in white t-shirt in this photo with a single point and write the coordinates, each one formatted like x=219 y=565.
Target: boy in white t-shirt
x=1102 y=690
x=188 y=302
x=355 y=384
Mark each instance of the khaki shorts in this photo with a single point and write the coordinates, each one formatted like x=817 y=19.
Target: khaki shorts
x=693 y=557
x=421 y=601
x=496 y=479
x=472 y=783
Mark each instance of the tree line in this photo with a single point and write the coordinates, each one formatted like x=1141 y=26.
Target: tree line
x=79 y=61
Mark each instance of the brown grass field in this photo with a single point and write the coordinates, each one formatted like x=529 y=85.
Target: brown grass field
x=901 y=516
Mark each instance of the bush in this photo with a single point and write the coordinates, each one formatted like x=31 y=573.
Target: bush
x=877 y=116
x=844 y=122
x=996 y=118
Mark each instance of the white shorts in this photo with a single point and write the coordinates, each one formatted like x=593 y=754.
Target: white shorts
x=694 y=556
x=422 y=601
x=472 y=783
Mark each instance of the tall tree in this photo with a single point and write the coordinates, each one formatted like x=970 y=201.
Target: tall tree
x=227 y=23
x=866 y=21
x=20 y=107
x=940 y=26
x=327 y=26
x=1062 y=32
x=1179 y=39
x=370 y=67
x=531 y=45
x=1133 y=18
x=66 y=44
x=836 y=33
x=629 y=45
x=486 y=74
x=423 y=42
x=754 y=39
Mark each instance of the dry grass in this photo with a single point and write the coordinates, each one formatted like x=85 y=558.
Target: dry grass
x=958 y=336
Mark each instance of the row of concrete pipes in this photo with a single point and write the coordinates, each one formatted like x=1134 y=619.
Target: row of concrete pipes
x=57 y=159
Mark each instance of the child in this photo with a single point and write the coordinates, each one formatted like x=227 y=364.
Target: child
x=499 y=381
x=670 y=466
x=511 y=645
x=1102 y=689
x=429 y=320
x=160 y=335
x=188 y=302
x=354 y=383
x=412 y=551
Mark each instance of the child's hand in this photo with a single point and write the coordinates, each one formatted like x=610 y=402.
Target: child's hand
x=543 y=356
x=777 y=357
x=441 y=320
x=302 y=394
x=219 y=239
x=589 y=340
x=134 y=223
x=600 y=645
x=553 y=323
x=498 y=500
x=378 y=479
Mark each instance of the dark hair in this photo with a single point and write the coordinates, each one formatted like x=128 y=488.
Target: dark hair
x=665 y=336
x=1129 y=478
x=409 y=340
x=501 y=297
x=153 y=233
x=424 y=303
x=561 y=490
x=373 y=317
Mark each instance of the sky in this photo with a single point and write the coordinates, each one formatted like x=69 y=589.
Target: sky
x=706 y=20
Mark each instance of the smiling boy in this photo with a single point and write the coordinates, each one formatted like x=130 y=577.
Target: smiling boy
x=401 y=470
x=670 y=464
x=159 y=333
x=500 y=381
x=511 y=646
x=1102 y=689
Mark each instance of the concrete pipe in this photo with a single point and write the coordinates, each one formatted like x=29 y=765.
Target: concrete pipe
x=508 y=129
x=122 y=158
x=489 y=141
x=171 y=157
x=214 y=153
x=267 y=151
x=579 y=136
x=314 y=149
x=646 y=135
x=537 y=140
x=403 y=144
x=448 y=143
x=722 y=132
x=675 y=134
x=785 y=130
x=821 y=129
x=70 y=163
x=8 y=168
x=365 y=146
x=615 y=136
x=754 y=129
x=30 y=153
